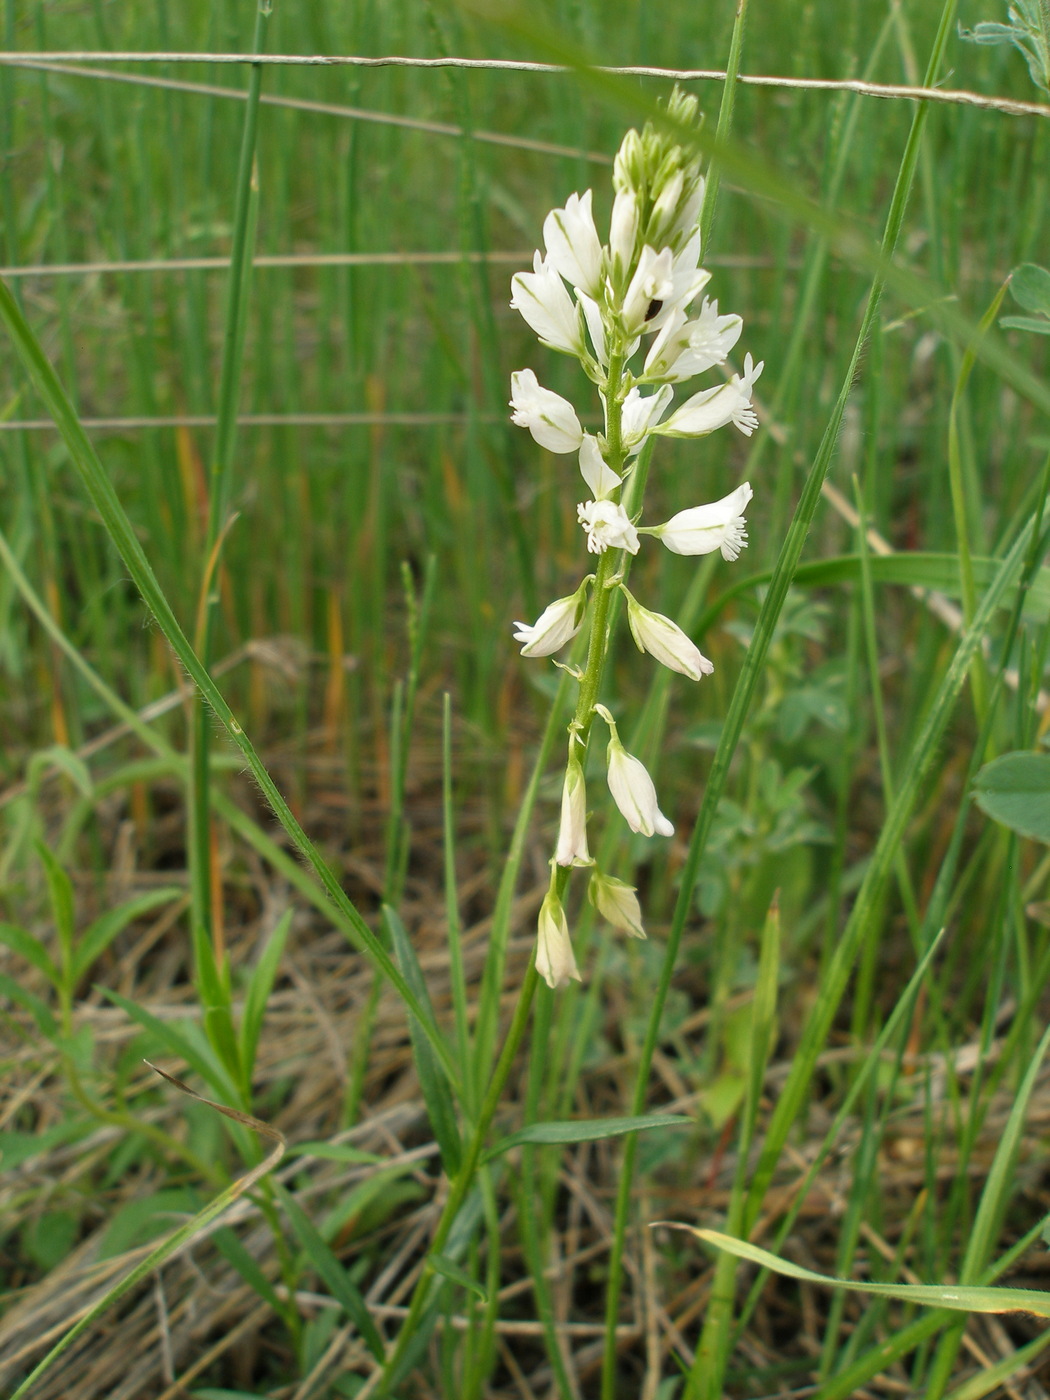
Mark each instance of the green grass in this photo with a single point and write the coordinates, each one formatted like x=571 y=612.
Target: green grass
x=856 y=1058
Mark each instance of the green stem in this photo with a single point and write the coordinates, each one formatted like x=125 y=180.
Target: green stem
x=245 y=199
x=465 y=1177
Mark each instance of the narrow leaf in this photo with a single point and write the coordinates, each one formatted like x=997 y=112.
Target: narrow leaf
x=437 y=1094
x=969 y=1298
x=584 y=1130
x=339 y=1282
x=260 y=985
x=20 y=941
x=447 y=1269
x=99 y=935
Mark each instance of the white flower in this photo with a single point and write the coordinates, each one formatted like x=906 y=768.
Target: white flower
x=688 y=280
x=616 y=902
x=557 y=624
x=541 y=298
x=703 y=529
x=572 y=243
x=651 y=286
x=640 y=416
x=685 y=348
x=623 y=234
x=596 y=328
x=572 y=832
x=633 y=791
x=714 y=408
x=549 y=418
x=665 y=640
x=554 y=957
x=607 y=526
x=685 y=223
x=596 y=472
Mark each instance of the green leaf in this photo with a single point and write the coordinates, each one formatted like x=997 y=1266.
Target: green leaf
x=99 y=935
x=20 y=941
x=60 y=889
x=958 y=1298
x=447 y=1269
x=1025 y=323
x=260 y=985
x=48 y=1238
x=1015 y=790
x=335 y=1152
x=913 y=568
x=584 y=1130
x=58 y=756
x=339 y=1282
x=1030 y=285
x=231 y=1249
x=16 y=1147
x=40 y=1012
x=173 y=1039
x=437 y=1094
x=144 y=1219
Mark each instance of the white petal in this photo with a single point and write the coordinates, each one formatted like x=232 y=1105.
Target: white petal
x=623 y=233
x=549 y=418
x=541 y=298
x=572 y=830
x=596 y=328
x=557 y=624
x=608 y=527
x=634 y=793
x=554 y=956
x=665 y=640
x=640 y=415
x=596 y=472
x=703 y=529
x=572 y=243
x=651 y=286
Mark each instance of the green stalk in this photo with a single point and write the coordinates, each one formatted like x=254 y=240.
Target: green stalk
x=968 y=587
x=465 y=1178
x=742 y=696
x=725 y=120
x=245 y=202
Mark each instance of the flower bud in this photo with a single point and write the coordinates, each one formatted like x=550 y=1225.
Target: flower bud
x=616 y=902
x=634 y=793
x=665 y=640
x=554 y=957
x=557 y=624
x=572 y=832
x=623 y=235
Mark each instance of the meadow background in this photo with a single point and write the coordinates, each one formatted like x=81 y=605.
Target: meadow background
x=390 y=526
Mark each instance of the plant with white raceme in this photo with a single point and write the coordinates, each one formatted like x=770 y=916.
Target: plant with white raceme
x=606 y=305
